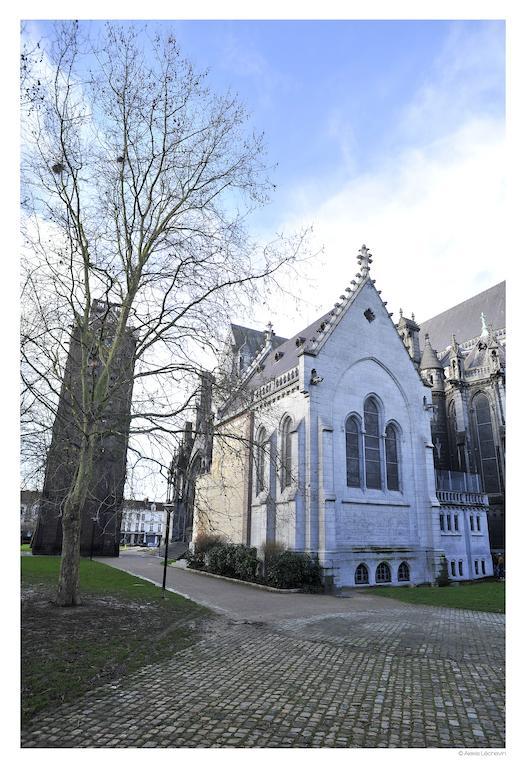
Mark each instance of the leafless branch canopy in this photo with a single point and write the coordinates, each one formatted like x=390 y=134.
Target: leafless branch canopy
x=138 y=184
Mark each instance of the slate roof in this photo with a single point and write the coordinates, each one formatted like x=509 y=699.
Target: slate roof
x=477 y=358
x=464 y=319
x=429 y=357
x=289 y=354
x=252 y=339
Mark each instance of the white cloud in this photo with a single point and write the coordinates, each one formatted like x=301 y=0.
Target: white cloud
x=465 y=79
x=433 y=218
x=432 y=211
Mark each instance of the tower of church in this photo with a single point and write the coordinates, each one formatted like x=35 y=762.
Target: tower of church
x=101 y=516
x=409 y=330
x=432 y=372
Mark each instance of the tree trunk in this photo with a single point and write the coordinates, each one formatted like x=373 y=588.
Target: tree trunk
x=68 y=584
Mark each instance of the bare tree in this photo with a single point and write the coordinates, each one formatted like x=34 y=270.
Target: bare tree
x=137 y=184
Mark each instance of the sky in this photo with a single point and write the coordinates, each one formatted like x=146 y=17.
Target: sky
x=388 y=133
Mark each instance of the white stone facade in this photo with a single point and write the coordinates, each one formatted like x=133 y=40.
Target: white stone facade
x=399 y=534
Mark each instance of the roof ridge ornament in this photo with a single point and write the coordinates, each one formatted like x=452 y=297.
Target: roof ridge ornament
x=364 y=258
x=269 y=332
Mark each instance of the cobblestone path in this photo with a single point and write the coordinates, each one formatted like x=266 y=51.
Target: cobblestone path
x=406 y=676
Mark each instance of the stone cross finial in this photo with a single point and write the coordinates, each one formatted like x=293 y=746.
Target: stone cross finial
x=364 y=259
x=484 y=331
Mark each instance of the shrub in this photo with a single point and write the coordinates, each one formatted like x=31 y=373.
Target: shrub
x=234 y=560
x=271 y=550
x=202 y=544
x=193 y=560
x=247 y=562
x=290 y=570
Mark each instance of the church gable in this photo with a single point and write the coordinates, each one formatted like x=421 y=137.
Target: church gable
x=360 y=326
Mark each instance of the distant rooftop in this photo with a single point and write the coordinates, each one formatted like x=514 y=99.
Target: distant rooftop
x=464 y=319
x=251 y=339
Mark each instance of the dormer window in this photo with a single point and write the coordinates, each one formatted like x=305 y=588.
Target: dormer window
x=278 y=355
x=369 y=315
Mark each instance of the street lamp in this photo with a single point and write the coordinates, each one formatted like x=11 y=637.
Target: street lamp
x=166 y=537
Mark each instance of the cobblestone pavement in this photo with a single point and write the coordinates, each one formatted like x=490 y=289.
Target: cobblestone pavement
x=400 y=676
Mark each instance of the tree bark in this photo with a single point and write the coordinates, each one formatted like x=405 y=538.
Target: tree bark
x=68 y=583
x=68 y=593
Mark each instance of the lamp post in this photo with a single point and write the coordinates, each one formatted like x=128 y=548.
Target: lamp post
x=166 y=538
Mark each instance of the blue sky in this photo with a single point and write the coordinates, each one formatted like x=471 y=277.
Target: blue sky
x=388 y=132
x=384 y=132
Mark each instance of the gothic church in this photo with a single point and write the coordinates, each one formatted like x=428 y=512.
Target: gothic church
x=356 y=442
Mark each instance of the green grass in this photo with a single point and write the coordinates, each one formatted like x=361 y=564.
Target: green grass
x=478 y=596
x=122 y=625
x=25 y=547
x=96 y=578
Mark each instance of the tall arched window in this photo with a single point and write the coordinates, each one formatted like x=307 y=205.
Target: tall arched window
x=373 y=475
x=383 y=573
x=261 y=448
x=486 y=444
x=352 y=452
x=361 y=575
x=403 y=572
x=286 y=453
x=452 y=430
x=391 y=458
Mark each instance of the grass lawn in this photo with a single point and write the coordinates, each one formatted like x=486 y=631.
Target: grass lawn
x=122 y=625
x=25 y=547
x=478 y=596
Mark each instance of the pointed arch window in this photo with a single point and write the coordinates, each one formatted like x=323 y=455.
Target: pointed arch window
x=487 y=454
x=392 y=458
x=403 y=571
x=286 y=453
x=352 y=452
x=261 y=448
x=373 y=475
x=361 y=575
x=383 y=573
x=456 y=453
